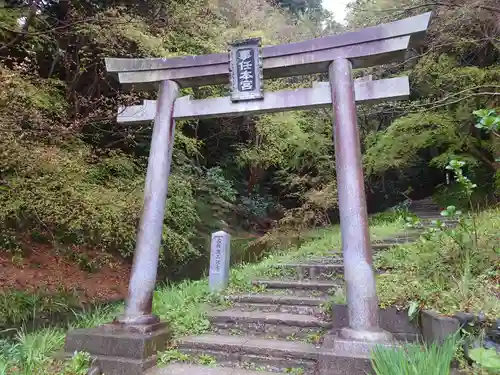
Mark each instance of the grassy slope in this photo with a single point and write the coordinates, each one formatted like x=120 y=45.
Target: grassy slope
x=184 y=304
x=453 y=271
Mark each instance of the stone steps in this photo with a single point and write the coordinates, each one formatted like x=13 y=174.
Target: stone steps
x=376 y=247
x=281 y=304
x=252 y=352
x=314 y=271
x=329 y=268
x=398 y=239
x=430 y=217
x=277 y=308
x=278 y=328
x=267 y=324
x=334 y=257
x=189 y=369
x=302 y=288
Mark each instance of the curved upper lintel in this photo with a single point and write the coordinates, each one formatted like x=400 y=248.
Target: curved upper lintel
x=361 y=55
x=414 y=26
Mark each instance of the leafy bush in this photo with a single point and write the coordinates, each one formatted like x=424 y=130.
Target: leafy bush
x=60 y=190
x=257 y=205
x=219 y=185
x=395 y=214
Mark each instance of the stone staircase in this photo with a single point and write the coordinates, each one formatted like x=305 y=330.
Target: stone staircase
x=428 y=211
x=281 y=327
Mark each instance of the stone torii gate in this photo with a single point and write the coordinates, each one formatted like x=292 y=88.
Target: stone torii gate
x=336 y=55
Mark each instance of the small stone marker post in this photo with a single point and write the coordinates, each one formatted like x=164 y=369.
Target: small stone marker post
x=220 y=254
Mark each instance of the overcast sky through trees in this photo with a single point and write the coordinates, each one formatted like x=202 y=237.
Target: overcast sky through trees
x=337 y=7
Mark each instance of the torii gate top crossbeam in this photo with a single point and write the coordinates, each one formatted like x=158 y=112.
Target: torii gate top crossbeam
x=368 y=47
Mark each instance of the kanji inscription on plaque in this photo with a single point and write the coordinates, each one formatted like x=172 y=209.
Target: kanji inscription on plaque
x=246 y=70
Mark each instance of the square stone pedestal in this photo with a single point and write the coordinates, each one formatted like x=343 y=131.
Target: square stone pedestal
x=340 y=356
x=120 y=349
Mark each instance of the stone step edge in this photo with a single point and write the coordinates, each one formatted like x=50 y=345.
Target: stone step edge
x=250 y=345
x=326 y=266
x=235 y=360
x=278 y=300
x=375 y=246
x=185 y=369
x=288 y=319
x=278 y=284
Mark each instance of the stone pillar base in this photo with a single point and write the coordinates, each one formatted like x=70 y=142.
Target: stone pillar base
x=120 y=349
x=376 y=336
x=340 y=355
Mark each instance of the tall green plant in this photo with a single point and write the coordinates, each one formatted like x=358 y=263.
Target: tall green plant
x=434 y=359
x=467 y=238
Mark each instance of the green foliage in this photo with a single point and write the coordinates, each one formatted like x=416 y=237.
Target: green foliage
x=98 y=204
x=398 y=213
x=486 y=358
x=182 y=305
x=78 y=365
x=172 y=355
x=463 y=274
x=29 y=103
x=468 y=239
x=450 y=79
x=257 y=205
x=489 y=120
x=286 y=140
x=219 y=185
x=447 y=270
x=18 y=308
x=9 y=242
x=55 y=92
x=415 y=360
x=466 y=184
x=30 y=352
x=398 y=146
x=453 y=195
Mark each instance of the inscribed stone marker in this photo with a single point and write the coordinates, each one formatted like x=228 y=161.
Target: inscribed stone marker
x=220 y=254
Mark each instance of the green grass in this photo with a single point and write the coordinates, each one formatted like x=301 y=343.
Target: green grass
x=415 y=359
x=32 y=352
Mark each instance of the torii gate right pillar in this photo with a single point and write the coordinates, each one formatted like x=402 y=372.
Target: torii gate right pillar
x=356 y=248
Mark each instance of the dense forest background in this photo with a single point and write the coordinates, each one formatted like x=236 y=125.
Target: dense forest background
x=71 y=178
